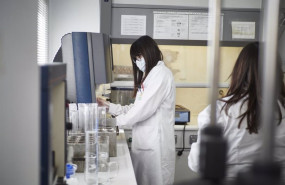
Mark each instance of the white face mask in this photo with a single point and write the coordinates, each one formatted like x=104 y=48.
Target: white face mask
x=141 y=64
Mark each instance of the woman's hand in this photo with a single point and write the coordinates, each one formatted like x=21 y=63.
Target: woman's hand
x=102 y=102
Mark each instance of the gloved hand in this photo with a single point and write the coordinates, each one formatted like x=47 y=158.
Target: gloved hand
x=102 y=102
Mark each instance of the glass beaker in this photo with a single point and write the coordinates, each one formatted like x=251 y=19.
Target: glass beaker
x=107 y=170
x=91 y=158
x=103 y=141
x=103 y=175
x=113 y=170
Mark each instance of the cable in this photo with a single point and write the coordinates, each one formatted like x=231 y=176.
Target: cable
x=179 y=153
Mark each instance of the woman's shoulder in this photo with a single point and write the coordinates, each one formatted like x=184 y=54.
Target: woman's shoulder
x=227 y=98
x=235 y=109
x=160 y=71
x=160 y=66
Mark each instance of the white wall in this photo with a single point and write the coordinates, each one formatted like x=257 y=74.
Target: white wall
x=195 y=3
x=19 y=93
x=67 y=16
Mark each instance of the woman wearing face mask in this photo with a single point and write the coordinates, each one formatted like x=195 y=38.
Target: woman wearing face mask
x=151 y=116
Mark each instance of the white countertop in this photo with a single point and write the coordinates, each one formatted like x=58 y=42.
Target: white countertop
x=126 y=175
x=180 y=127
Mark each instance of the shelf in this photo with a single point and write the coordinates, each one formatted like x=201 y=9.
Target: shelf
x=182 y=42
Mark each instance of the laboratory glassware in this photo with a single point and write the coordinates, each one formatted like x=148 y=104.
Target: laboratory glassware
x=91 y=158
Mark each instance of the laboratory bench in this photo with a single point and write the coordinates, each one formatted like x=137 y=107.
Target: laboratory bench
x=126 y=175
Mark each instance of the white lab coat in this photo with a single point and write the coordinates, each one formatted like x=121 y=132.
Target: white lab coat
x=152 y=118
x=243 y=148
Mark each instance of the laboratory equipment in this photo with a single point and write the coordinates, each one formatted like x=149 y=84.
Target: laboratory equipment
x=107 y=129
x=91 y=158
x=103 y=169
x=81 y=117
x=90 y=116
x=182 y=115
x=106 y=170
x=70 y=171
x=89 y=59
x=113 y=169
x=123 y=96
x=88 y=121
x=74 y=120
x=52 y=124
x=103 y=142
x=102 y=117
x=111 y=133
x=77 y=142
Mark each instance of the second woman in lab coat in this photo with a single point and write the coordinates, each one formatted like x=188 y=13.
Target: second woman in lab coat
x=151 y=116
x=237 y=115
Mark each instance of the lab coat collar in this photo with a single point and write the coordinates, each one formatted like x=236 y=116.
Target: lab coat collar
x=160 y=63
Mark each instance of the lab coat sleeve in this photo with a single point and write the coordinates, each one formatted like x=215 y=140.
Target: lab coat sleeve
x=117 y=109
x=151 y=99
x=203 y=121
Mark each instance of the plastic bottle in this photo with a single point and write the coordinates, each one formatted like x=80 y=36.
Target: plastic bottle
x=70 y=171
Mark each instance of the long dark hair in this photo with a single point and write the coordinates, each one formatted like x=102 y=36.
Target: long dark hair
x=245 y=83
x=144 y=46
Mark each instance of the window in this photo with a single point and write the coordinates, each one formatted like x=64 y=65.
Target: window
x=42 y=40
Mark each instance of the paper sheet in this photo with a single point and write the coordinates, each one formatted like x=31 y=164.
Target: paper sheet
x=170 y=26
x=243 y=30
x=133 y=24
x=198 y=26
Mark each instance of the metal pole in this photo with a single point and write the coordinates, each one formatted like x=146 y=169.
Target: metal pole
x=269 y=64
x=214 y=53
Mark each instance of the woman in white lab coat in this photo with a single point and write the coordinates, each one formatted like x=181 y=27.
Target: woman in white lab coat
x=237 y=115
x=152 y=115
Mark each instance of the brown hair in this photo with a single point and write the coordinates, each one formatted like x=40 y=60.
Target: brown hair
x=146 y=47
x=245 y=83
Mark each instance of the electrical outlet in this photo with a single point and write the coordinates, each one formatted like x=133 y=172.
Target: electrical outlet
x=192 y=139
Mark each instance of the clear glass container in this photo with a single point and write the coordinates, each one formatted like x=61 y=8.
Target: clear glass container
x=102 y=117
x=103 y=141
x=91 y=158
